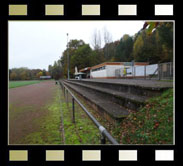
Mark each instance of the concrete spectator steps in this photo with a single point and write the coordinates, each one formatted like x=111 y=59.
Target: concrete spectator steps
x=106 y=108
x=114 y=99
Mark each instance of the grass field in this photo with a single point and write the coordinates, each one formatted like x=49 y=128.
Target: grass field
x=15 y=84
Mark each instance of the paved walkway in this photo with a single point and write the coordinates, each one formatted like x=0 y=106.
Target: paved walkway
x=137 y=82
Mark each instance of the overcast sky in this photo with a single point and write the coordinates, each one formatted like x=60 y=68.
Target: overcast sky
x=37 y=44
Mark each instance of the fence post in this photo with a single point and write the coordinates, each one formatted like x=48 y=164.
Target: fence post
x=132 y=71
x=67 y=96
x=159 y=73
x=162 y=70
x=62 y=86
x=145 y=72
x=73 y=111
x=103 y=140
x=170 y=69
x=64 y=91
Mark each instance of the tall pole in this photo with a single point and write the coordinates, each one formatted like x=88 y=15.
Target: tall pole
x=68 y=77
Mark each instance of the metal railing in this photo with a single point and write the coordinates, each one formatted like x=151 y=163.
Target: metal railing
x=104 y=133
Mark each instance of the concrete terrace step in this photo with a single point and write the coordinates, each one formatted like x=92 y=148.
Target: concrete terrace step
x=148 y=88
x=127 y=100
x=108 y=109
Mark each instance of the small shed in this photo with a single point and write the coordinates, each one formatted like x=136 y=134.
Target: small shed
x=45 y=77
x=79 y=75
x=86 y=70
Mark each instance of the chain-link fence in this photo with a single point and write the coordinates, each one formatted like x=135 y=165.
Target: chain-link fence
x=161 y=71
x=165 y=71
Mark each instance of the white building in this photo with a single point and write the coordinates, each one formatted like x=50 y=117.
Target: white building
x=122 y=69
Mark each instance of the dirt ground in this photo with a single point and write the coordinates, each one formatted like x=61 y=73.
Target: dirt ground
x=26 y=105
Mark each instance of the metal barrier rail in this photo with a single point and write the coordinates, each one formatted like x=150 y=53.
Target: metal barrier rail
x=104 y=133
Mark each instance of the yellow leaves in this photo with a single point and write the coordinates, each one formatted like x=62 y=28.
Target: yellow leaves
x=139 y=43
x=125 y=37
x=39 y=74
x=150 y=26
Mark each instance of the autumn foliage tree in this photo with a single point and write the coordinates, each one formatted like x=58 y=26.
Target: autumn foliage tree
x=24 y=73
x=124 y=49
x=153 y=43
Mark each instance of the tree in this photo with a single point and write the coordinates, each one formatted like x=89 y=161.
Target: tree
x=50 y=69
x=57 y=70
x=44 y=72
x=107 y=36
x=154 y=47
x=164 y=36
x=151 y=26
x=107 y=40
x=124 y=49
x=97 y=57
x=13 y=76
x=81 y=58
x=96 y=40
x=75 y=44
x=145 y=48
x=24 y=75
x=111 y=51
x=39 y=74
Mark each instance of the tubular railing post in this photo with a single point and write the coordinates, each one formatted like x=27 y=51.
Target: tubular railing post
x=67 y=96
x=103 y=140
x=73 y=110
x=64 y=91
x=61 y=86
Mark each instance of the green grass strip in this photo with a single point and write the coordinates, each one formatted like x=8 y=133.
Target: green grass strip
x=15 y=84
x=48 y=126
x=83 y=131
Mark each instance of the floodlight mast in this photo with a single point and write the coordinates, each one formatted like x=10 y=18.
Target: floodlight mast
x=68 y=77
